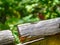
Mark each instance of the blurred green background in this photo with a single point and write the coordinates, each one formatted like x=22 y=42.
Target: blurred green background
x=14 y=12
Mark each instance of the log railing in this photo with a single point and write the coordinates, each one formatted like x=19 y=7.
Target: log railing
x=6 y=38
x=29 y=33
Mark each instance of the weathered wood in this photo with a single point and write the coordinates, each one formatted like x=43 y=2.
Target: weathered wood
x=42 y=28
x=6 y=37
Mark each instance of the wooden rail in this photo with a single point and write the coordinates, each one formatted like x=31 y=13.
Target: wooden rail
x=6 y=37
x=29 y=32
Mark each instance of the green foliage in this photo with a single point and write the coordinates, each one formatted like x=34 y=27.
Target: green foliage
x=14 y=12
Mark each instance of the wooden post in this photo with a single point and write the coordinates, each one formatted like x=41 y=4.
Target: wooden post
x=29 y=32
x=6 y=37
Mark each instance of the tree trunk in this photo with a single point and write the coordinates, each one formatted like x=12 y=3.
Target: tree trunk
x=6 y=38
